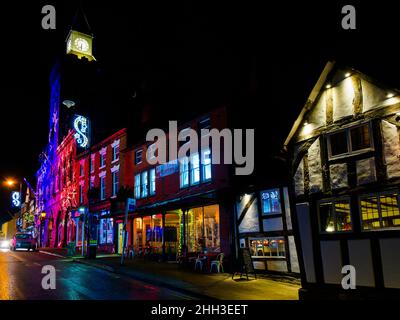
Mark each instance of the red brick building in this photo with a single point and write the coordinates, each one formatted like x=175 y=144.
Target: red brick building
x=57 y=187
x=179 y=204
x=101 y=173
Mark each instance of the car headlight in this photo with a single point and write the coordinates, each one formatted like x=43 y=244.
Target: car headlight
x=5 y=243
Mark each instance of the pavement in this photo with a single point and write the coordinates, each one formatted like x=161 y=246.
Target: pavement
x=218 y=286
x=21 y=279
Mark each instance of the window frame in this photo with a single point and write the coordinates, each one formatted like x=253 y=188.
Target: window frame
x=333 y=201
x=378 y=195
x=102 y=160
x=136 y=156
x=103 y=188
x=142 y=180
x=152 y=172
x=350 y=151
x=203 y=166
x=184 y=162
x=115 y=177
x=115 y=154
x=137 y=187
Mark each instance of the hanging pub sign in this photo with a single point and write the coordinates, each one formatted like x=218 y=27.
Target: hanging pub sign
x=167 y=169
x=81 y=126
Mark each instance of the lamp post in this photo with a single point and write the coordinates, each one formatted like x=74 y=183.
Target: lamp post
x=42 y=220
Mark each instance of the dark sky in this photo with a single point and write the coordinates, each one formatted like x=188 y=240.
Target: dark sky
x=185 y=55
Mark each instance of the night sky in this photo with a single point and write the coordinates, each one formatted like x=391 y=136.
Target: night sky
x=262 y=58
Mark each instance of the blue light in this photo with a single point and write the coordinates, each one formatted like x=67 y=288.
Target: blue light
x=81 y=127
x=16 y=199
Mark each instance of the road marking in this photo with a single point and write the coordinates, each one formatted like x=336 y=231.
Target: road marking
x=52 y=254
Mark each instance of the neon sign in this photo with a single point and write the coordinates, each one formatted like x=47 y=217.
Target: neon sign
x=16 y=199
x=81 y=127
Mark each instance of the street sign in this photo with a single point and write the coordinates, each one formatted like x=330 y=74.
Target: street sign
x=131 y=203
x=167 y=169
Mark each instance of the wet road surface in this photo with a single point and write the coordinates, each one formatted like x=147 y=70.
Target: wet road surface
x=21 y=278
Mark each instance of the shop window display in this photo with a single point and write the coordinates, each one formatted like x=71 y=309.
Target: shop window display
x=268 y=247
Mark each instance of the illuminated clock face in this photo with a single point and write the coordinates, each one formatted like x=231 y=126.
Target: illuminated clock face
x=69 y=44
x=81 y=44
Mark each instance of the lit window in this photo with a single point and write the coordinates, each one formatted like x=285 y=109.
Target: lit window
x=334 y=216
x=184 y=172
x=137 y=186
x=271 y=202
x=145 y=187
x=102 y=188
x=115 y=183
x=268 y=247
x=195 y=169
x=138 y=156
x=152 y=181
x=206 y=165
x=350 y=141
x=380 y=211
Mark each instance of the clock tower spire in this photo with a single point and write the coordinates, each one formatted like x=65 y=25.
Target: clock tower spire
x=80 y=41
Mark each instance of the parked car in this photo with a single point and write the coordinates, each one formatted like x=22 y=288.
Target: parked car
x=23 y=240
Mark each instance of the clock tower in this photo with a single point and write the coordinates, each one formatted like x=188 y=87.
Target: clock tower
x=74 y=85
x=80 y=45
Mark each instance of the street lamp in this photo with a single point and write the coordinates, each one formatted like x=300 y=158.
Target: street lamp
x=10 y=182
x=42 y=219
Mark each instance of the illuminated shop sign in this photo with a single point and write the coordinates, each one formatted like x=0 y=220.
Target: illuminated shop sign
x=16 y=199
x=81 y=127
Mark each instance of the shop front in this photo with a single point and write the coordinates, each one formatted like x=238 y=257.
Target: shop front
x=264 y=227
x=106 y=232
x=169 y=233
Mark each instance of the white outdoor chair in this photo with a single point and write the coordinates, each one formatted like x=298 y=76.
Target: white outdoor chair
x=199 y=262
x=218 y=263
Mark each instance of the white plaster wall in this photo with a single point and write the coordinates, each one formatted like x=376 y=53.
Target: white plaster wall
x=338 y=174
x=366 y=172
x=314 y=167
x=287 y=208
x=343 y=96
x=360 y=257
x=277 y=265
x=243 y=202
x=331 y=261
x=274 y=224
x=299 y=179
x=294 y=261
x=375 y=97
x=391 y=147
x=303 y=218
x=317 y=115
x=250 y=222
x=391 y=262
